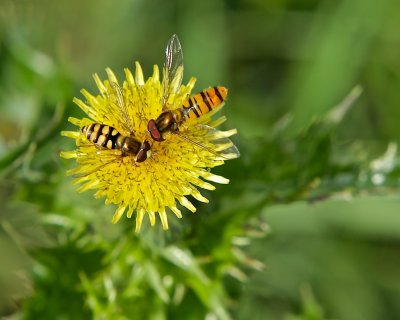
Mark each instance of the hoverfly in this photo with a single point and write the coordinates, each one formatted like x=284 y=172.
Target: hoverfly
x=195 y=106
x=107 y=137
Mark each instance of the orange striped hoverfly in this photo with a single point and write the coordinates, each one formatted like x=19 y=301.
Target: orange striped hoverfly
x=195 y=106
x=107 y=137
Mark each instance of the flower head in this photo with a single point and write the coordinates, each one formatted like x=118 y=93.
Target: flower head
x=173 y=169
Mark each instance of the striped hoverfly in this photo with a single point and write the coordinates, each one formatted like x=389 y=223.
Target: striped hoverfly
x=193 y=107
x=107 y=137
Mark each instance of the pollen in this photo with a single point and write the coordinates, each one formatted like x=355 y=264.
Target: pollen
x=174 y=169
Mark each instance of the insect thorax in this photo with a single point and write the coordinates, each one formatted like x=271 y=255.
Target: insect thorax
x=129 y=146
x=169 y=120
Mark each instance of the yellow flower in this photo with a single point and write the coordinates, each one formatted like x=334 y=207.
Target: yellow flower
x=176 y=168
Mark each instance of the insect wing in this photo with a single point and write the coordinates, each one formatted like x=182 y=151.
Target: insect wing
x=173 y=69
x=107 y=158
x=118 y=99
x=223 y=146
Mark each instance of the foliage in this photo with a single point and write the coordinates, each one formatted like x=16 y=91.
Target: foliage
x=308 y=226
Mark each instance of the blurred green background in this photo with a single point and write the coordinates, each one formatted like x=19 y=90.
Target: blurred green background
x=308 y=228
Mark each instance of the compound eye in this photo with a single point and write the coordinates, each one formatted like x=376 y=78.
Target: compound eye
x=144 y=152
x=141 y=156
x=146 y=146
x=153 y=130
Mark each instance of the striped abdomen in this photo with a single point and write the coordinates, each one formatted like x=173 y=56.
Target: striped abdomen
x=103 y=136
x=192 y=108
x=204 y=102
x=108 y=137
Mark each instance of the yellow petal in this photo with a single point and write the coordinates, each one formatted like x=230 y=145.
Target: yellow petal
x=164 y=220
x=139 y=219
x=118 y=214
x=186 y=203
x=176 y=168
x=139 y=74
x=152 y=218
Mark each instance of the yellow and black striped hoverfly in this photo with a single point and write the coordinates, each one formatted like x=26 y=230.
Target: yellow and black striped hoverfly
x=194 y=107
x=107 y=137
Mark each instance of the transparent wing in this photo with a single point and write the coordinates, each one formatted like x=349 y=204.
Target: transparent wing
x=173 y=69
x=120 y=102
x=95 y=165
x=222 y=147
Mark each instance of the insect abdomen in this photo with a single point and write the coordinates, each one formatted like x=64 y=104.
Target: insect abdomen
x=108 y=137
x=204 y=101
x=102 y=135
